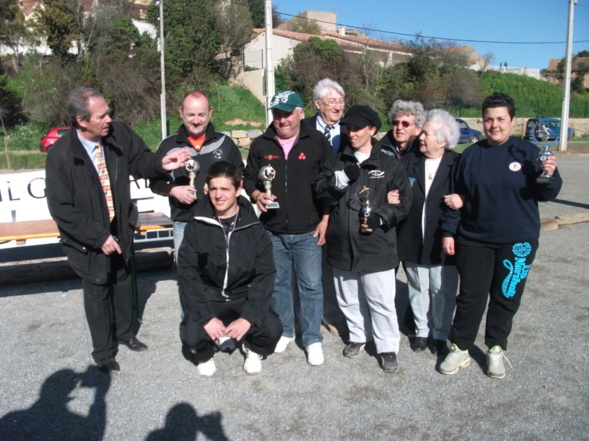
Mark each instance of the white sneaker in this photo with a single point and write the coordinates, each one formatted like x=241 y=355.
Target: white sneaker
x=315 y=354
x=282 y=344
x=253 y=362
x=207 y=368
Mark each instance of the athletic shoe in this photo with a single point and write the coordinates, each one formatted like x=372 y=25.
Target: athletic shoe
x=253 y=362
x=282 y=344
x=388 y=362
x=455 y=360
x=495 y=367
x=315 y=354
x=207 y=368
x=352 y=350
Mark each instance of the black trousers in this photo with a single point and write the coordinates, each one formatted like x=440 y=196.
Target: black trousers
x=262 y=340
x=109 y=310
x=493 y=272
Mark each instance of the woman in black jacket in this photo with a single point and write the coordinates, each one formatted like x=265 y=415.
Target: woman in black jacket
x=361 y=246
x=226 y=273
x=431 y=275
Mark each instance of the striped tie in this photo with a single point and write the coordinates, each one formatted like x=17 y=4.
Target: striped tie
x=104 y=181
x=327 y=132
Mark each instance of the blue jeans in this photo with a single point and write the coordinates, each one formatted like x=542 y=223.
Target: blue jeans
x=301 y=252
x=178 y=233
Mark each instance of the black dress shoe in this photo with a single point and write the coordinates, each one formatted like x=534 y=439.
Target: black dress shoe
x=134 y=344
x=419 y=344
x=108 y=365
x=441 y=347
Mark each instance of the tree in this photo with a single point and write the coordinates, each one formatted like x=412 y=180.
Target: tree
x=61 y=23
x=106 y=30
x=257 y=10
x=13 y=32
x=193 y=40
x=236 y=27
x=304 y=26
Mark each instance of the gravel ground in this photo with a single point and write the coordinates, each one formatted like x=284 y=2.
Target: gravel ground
x=49 y=389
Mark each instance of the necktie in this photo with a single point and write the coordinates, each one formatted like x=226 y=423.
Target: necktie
x=327 y=132
x=104 y=181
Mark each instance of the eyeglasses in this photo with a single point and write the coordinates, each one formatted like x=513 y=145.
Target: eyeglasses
x=405 y=124
x=333 y=103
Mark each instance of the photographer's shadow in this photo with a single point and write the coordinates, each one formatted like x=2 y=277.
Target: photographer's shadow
x=50 y=418
x=183 y=424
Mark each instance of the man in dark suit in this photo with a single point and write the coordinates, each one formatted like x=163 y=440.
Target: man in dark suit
x=89 y=197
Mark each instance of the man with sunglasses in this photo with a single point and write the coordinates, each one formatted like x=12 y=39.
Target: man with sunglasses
x=406 y=118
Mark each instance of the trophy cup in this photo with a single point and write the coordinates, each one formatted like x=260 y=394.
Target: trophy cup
x=192 y=167
x=366 y=209
x=545 y=177
x=267 y=175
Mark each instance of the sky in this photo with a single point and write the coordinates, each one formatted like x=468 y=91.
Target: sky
x=517 y=21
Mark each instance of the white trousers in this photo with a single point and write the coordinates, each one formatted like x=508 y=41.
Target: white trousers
x=432 y=295
x=368 y=303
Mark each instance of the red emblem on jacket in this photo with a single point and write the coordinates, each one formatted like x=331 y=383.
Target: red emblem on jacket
x=270 y=157
x=302 y=156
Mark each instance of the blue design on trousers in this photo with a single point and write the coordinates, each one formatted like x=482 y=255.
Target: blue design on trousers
x=518 y=271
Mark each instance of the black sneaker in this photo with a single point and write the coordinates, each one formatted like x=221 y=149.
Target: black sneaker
x=388 y=362
x=352 y=350
x=419 y=344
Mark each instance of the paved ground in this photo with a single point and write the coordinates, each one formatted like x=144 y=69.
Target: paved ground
x=49 y=389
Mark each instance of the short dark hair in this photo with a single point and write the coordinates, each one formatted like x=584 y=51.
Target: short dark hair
x=500 y=100
x=77 y=103
x=224 y=169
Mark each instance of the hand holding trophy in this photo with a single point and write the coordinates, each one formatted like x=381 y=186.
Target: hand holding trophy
x=192 y=167
x=366 y=209
x=544 y=154
x=267 y=175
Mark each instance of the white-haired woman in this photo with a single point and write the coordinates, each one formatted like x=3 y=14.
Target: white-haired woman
x=406 y=119
x=431 y=275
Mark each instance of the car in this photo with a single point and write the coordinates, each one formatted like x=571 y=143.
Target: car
x=52 y=135
x=467 y=134
x=536 y=127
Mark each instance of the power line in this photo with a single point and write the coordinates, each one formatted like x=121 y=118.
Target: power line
x=435 y=38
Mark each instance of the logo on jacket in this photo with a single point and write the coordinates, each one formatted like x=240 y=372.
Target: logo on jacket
x=515 y=166
x=218 y=154
x=302 y=156
x=270 y=157
x=376 y=174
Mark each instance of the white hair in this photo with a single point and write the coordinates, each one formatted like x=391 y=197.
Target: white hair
x=323 y=87
x=448 y=129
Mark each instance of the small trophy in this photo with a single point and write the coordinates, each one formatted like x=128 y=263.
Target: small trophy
x=192 y=167
x=545 y=177
x=267 y=175
x=366 y=209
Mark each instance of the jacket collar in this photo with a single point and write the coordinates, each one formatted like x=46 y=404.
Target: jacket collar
x=210 y=135
x=204 y=209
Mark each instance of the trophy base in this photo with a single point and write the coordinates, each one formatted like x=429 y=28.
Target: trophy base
x=272 y=205
x=543 y=179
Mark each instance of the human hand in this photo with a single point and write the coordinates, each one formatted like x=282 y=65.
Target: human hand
x=454 y=201
x=394 y=197
x=549 y=165
x=238 y=328
x=184 y=193
x=215 y=328
x=449 y=245
x=263 y=199
x=175 y=160
x=111 y=246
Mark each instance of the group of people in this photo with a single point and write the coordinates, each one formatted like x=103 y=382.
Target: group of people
x=311 y=231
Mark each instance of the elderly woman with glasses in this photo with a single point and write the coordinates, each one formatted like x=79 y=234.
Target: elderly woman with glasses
x=406 y=118
x=432 y=277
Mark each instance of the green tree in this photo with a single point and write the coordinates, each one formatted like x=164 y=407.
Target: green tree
x=61 y=23
x=192 y=38
x=106 y=30
x=236 y=28
x=304 y=26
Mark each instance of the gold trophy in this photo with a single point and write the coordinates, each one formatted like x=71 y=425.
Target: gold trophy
x=267 y=175
x=192 y=167
x=366 y=209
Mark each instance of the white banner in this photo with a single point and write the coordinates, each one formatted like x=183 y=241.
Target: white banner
x=22 y=198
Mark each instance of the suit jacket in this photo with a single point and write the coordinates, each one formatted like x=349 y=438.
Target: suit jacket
x=410 y=245
x=344 y=138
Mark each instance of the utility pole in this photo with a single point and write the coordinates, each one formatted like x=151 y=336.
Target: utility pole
x=270 y=85
x=163 y=73
x=566 y=95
